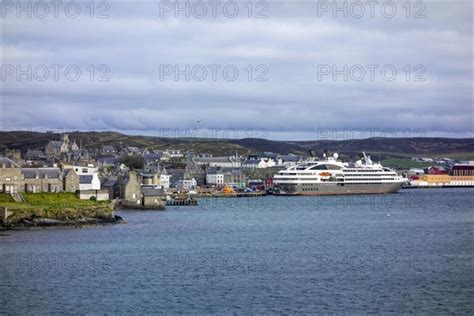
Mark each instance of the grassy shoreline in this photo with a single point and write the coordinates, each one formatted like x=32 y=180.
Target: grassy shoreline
x=55 y=209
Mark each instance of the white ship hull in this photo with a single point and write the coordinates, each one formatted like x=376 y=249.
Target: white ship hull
x=338 y=189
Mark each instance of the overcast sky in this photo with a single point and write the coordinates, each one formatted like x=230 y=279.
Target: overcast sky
x=280 y=70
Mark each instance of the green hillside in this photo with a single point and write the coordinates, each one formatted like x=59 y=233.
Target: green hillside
x=379 y=148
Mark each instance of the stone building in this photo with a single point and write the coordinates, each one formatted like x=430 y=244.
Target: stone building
x=130 y=192
x=108 y=150
x=98 y=195
x=53 y=149
x=35 y=155
x=70 y=180
x=193 y=171
x=153 y=198
x=13 y=154
x=111 y=185
x=14 y=179
x=62 y=148
x=37 y=180
x=10 y=176
x=134 y=195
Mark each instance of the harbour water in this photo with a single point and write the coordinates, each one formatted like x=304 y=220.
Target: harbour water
x=406 y=252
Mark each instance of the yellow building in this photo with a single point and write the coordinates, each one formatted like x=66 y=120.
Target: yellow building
x=443 y=180
x=435 y=178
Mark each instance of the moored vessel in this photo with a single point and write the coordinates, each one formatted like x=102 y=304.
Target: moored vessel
x=331 y=177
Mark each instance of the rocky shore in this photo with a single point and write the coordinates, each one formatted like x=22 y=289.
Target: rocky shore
x=42 y=222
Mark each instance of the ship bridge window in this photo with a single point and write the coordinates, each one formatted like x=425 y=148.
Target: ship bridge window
x=318 y=167
x=325 y=167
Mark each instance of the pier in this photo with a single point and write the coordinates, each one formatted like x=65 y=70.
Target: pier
x=189 y=202
x=233 y=195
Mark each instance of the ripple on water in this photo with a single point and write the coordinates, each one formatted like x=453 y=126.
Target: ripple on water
x=260 y=255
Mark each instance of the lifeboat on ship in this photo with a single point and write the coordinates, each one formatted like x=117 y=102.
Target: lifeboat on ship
x=325 y=175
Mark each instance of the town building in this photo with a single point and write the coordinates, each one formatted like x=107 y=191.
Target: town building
x=61 y=149
x=89 y=169
x=134 y=194
x=108 y=162
x=436 y=170
x=152 y=159
x=70 y=180
x=258 y=163
x=463 y=170
x=89 y=182
x=215 y=176
x=288 y=160
x=193 y=171
x=235 y=177
x=218 y=162
x=187 y=184
x=35 y=155
x=175 y=176
x=132 y=151
x=165 y=180
x=150 y=179
x=14 y=179
x=154 y=198
x=108 y=150
x=130 y=190
x=173 y=153
x=10 y=176
x=42 y=180
x=111 y=186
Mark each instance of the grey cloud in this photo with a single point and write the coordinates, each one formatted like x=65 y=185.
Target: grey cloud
x=133 y=42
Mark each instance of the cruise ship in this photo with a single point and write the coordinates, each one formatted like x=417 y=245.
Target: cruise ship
x=331 y=176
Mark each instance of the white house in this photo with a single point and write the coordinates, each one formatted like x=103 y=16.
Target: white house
x=218 y=162
x=84 y=170
x=187 y=184
x=416 y=172
x=89 y=182
x=267 y=163
x=173 y=153
x=165 y=181
x=215 y=177
x=259 y=163
x=88 y=177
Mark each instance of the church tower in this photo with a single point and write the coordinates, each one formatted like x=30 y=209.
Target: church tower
x=65 y=144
